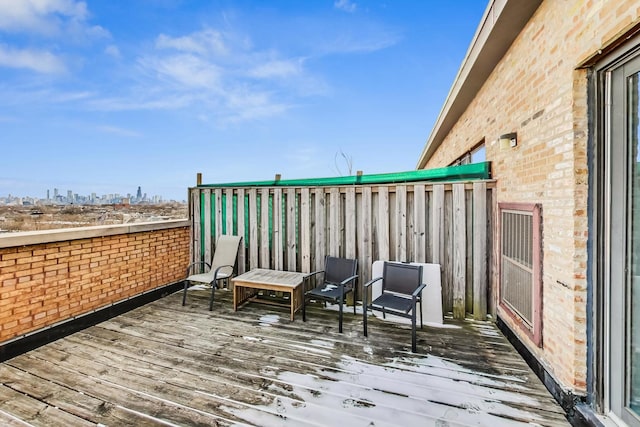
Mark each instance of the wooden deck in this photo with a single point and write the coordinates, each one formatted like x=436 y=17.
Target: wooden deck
x=164 y=364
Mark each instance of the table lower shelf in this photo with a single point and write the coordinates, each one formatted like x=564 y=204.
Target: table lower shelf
x=292 y=298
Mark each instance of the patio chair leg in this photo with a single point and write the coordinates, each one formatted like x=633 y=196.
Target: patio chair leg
x=184 y=293
x=340 y=315
x=304 y=308
x=420 y=312
x=213 y=293
x=364 y=312
x=354 y=301
x=413 y=329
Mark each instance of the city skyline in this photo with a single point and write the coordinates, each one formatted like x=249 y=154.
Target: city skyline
x=56 y=196
x=96 y=94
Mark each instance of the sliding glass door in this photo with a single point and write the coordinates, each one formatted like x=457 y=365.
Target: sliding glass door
x=622 y=296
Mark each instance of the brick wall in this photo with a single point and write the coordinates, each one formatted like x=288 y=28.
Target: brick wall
x=50 y=277
x=539 y=91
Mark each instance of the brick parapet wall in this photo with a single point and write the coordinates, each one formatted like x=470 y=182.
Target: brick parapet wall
x=539 y=91
x=46 y=279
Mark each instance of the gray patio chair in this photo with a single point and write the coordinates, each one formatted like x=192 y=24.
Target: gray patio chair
x=401 y=292
x=222 y=264
x=339 y=278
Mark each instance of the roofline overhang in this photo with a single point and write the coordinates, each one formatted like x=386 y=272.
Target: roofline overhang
x=501 y=23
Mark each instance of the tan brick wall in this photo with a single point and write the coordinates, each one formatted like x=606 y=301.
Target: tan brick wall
x=538 y=91
x=46 y=283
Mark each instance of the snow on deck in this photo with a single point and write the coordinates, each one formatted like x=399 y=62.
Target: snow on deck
x=164 y=364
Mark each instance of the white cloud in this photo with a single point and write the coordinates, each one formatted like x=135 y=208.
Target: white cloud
x=119 y=131
x=112 y=50
x=362 y=42
x=70 y=96
x=41 y=16
x=34 y=93
x=220 y=76
x=204 y=42
x=35 y=60
x=247 y=105
x=277 y=69
x=147 y=101
x=345 y=5
x=94 y=32
x=50 y=18
x=187 y=70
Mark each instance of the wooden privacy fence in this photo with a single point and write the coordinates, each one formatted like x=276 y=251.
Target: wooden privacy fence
x=293 y=228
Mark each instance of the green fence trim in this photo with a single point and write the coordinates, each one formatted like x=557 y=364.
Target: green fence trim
x=223 y=209
x=213 y=217
x=451 y=173
x=202 y=227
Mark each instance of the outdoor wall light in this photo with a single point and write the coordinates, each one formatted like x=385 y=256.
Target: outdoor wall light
x=508 y=140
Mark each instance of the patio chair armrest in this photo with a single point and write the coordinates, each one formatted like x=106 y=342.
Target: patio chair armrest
x=371 y=282
x=215 y=273
x=348 y=279
x=197 y=263
x=306 y=279
x=418 y=290
x=307 y=276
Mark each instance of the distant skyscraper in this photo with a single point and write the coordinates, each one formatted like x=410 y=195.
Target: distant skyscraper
x=55 y=193
x=48 y=198
x=139 y=193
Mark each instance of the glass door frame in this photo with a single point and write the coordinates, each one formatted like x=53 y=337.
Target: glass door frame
x=610 y=237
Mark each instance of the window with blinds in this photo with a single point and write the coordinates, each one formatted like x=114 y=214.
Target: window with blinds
x=521 y=266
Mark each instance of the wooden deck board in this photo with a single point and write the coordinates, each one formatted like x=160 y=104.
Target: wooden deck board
x=164 y=364
x=33 y=411
x=70 y=401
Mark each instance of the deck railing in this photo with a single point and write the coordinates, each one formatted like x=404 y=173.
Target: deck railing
x=293 y=228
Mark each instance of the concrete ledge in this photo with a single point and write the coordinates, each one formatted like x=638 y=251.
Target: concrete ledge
x=26 y=238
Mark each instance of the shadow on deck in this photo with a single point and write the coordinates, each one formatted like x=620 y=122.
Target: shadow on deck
x=164 y=364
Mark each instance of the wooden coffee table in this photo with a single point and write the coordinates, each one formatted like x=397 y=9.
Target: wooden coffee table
x=246 y=287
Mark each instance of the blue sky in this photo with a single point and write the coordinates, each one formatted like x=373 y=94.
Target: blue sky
x=104 y=96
